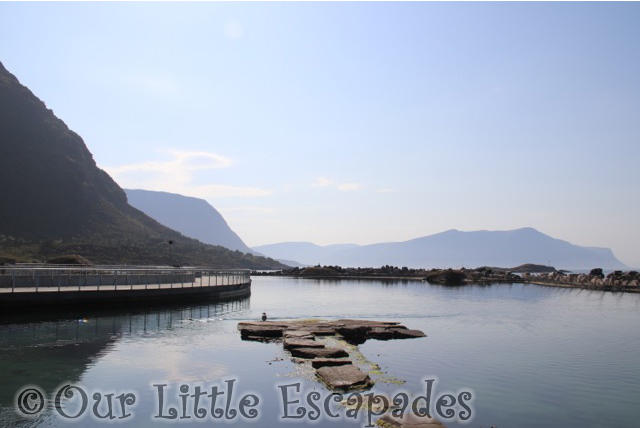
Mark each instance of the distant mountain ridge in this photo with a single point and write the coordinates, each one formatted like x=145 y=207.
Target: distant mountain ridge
x=55 y=200
x=453 y=248
x=193 y=217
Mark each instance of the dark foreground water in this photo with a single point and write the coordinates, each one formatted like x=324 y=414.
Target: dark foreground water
x=529 y=355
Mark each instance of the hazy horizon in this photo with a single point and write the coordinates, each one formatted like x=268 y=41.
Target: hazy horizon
x=354 y=122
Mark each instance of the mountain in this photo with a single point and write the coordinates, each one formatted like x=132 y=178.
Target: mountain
x=55 y=199
x=453 y=248
x=305 y=253
x=193 y=217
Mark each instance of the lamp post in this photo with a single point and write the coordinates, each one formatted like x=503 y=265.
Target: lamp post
x=170 y=245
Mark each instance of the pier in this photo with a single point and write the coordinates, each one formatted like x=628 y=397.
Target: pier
x=43 y=285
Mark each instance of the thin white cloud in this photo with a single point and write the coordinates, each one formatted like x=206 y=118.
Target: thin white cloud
x=156 y=84
x=344 y=187
x=349 y=187
x=224 y=190
x=177 y=176
x=322 y=182
x=233 y=29
x=385 y=190
x=248 y=209
x=182 y=162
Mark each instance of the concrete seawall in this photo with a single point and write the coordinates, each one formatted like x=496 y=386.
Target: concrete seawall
x=137 y=297
x=44 y=286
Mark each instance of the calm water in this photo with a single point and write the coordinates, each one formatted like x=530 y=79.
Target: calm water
x=530 y=355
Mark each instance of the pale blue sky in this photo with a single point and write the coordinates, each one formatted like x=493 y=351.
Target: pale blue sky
x=355 y=122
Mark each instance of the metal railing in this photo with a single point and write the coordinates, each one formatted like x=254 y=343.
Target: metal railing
x=59 y=278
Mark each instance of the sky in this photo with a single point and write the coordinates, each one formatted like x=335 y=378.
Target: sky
x=355 y=122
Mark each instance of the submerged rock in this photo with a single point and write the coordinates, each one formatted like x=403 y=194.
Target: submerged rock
x=378 y=403
x=408 y=420
x=316 y=363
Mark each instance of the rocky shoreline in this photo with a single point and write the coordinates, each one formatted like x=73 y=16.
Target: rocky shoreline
x=617 y=281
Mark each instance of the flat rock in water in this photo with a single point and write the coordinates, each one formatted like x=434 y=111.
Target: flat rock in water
x=260 y=339
x=318 y=352
x=346 y=322
x=291 y=343
x=408 y=420
x=393 y=333
x=323 y=331
x=344 y=377
x=354 y=331
x=316 y=363
x=261 y=331
x=262 y=324
x=408 y=334
x=303 y=334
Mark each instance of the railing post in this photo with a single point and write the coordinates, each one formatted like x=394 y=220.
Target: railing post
x=13 y=280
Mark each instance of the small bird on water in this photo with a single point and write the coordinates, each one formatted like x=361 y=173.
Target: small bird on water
x=264 y=316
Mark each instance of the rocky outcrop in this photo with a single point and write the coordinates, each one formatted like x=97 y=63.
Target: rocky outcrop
x=333 y=367
x=353 y=331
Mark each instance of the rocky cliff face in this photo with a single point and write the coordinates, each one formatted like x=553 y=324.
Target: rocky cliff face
x=55 y=199
x=193 y=217
x=51 y=185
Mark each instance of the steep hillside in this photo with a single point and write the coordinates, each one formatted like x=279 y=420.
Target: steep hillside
x=56 y=200
x=193 y=217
